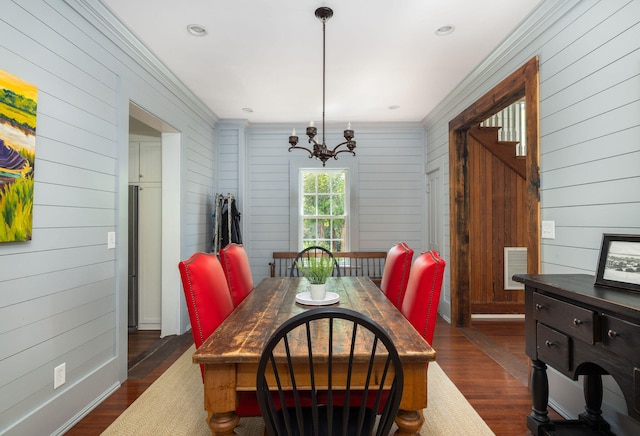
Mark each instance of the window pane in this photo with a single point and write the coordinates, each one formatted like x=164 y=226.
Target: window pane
x=337 y=229
x=337 y=246
x=338 y=204
x=309 y=183
x=323 y=182
x=324 y=229
x=309 y=205
x=325 y=244
x=338 y=182
x=309 y=228
x=309 y=243
x=324 y=205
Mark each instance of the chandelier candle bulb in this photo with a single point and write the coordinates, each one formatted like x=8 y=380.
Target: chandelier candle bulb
x=293 y=132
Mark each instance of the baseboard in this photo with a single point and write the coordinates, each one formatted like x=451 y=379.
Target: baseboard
x=86 y=410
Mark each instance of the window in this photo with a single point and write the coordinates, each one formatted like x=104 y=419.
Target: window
x=324 y=204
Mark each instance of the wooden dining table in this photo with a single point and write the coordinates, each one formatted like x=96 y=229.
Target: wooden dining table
x=231 y=354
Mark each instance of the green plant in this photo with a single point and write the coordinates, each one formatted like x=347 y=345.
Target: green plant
x=316 y=269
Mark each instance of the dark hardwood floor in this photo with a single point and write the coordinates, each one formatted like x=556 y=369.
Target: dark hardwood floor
x=495 y=386
x=149 y=356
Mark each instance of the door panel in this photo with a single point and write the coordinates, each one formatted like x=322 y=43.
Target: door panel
x=497 y=220
x=150 y=257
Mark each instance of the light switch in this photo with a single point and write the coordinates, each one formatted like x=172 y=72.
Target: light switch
x=111 y=240
x=548 y=230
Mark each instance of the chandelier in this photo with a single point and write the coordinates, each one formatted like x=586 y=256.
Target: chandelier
x=320 y=150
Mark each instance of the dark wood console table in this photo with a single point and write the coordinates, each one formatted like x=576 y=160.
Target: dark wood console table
x=580 y=329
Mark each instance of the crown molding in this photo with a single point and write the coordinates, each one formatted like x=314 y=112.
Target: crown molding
x=108 y=24
x=532 y=26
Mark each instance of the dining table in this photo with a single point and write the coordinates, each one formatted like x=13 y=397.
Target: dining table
x=231 y=354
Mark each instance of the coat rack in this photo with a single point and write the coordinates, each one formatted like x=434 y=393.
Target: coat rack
x=226 y=222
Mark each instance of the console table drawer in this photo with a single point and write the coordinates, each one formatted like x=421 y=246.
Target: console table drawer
x=621 y=337
x=576 y=321
x=553 y=347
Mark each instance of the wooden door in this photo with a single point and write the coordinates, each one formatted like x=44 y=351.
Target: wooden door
x=521 y=83
x=497 y=219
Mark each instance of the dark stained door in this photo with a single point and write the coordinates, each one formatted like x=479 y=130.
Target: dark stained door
x=474 y=265
x=497 y=219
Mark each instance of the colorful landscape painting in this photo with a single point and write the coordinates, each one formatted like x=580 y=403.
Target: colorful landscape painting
x=18 y=105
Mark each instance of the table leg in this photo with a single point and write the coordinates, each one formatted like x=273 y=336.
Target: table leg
x=223 y=424
x=409 y=422
x=592 y=384
x=539 y=416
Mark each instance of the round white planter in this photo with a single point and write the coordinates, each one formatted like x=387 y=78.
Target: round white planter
x=318 y=292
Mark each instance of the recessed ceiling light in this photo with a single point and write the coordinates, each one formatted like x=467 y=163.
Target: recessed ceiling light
x=445 y=30
x=197 y=29
x=247 y=109
x=394 y=107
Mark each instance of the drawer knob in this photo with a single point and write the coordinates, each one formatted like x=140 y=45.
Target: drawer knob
x=540 y=306
x=577 y=322
x=612 y=334
x=548 y=343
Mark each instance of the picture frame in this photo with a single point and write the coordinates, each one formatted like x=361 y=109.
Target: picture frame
x=619 y=263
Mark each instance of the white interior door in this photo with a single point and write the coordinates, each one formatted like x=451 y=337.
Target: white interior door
x=145 y=170
x=150 y=257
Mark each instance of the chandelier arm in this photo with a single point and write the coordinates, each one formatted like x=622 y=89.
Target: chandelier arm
x=344 y=143
x=336 y=153
x=297 y=147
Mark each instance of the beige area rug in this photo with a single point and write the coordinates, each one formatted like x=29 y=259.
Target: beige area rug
x=173 y=406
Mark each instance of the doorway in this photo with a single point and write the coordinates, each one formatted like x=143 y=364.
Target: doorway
x=145 y=227
x=142 y=122
x=470 y=168
x=435 y=213
x=435 y=207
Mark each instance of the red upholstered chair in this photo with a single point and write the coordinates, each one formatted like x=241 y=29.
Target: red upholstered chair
x=209 y=303
x=420 y=304
x=235 y=264
x=396 y=273
x=206 y=293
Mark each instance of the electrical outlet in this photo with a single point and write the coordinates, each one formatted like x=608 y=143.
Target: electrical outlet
x=59 y=375
x=548 y=230
x=111 y=240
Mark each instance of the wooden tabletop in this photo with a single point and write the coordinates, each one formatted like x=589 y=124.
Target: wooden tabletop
x=241 y=337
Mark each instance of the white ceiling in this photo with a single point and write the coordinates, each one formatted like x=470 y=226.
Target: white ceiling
x=267 y=55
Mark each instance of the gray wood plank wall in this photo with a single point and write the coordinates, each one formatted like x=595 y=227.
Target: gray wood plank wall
x=61 y=293
x=589 y=54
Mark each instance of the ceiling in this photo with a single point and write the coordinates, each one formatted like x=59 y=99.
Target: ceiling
x=384 y=61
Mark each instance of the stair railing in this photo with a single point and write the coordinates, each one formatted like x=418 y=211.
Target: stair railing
x=512 y=121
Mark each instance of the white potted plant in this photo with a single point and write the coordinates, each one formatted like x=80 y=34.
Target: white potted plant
x=317 y=270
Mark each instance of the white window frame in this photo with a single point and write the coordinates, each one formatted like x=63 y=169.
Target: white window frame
x=295 y=230
x=301 y=194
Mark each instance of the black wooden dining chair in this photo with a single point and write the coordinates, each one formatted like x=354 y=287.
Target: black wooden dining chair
x=313 y=252
x=330 y=397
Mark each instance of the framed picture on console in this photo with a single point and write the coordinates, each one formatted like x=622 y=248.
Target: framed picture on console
x=619 y=264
